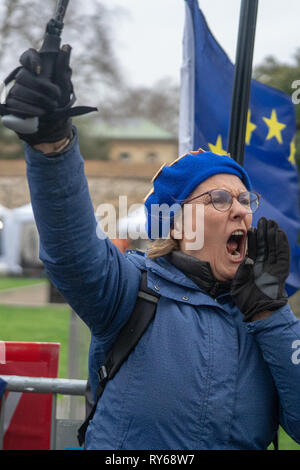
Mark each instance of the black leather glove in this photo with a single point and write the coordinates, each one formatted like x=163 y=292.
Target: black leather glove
x=51 y=101
x=259 y=283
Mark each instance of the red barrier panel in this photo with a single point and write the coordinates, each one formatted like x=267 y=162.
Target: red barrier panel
x=27 y=419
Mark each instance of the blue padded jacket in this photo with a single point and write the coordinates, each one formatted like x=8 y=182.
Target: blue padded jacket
x=199 y=377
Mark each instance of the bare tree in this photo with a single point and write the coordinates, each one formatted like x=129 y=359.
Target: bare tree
x=159 y=104
x=98 y=80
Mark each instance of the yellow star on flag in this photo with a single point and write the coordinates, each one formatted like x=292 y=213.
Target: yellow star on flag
x=218 y=147
x=275 y=127
x=292 y=152
x=250 y=128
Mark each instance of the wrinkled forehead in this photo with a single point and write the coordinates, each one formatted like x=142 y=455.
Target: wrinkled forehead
x=231 y=183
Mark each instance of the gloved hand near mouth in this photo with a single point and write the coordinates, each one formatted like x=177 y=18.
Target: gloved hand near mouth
x=259 y=283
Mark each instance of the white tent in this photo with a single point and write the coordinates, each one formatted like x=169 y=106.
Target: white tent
x=23 y=241
x=20 y=239
x=4 y=215
x=133 y=227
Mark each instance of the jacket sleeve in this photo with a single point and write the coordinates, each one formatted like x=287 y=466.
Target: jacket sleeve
x=279 y=339
x=95 y=278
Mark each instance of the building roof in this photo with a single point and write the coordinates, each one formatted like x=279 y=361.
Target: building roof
x=131 y=129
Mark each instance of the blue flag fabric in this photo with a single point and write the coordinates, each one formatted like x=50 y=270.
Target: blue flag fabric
x=206 y=91
x=2 y=386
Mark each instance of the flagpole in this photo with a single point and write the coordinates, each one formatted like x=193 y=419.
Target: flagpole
x=242 y=80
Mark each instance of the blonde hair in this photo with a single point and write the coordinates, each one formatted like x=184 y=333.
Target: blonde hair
x=161 y=247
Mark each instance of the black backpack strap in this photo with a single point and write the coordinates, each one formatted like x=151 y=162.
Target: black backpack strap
x=275 y=441
x=132 y=331
x=127 y=339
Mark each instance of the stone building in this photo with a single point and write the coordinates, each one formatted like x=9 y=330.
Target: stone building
x=136 y=149
x=107 y=181
x=136 y=140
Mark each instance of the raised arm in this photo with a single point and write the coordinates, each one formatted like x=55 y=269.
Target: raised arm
x=94 y=277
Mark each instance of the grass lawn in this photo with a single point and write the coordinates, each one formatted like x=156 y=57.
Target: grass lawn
x=286 y=443
x=13 y=282
x=41 y=324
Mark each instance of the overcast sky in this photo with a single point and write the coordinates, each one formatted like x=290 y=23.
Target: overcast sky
x=149 y=37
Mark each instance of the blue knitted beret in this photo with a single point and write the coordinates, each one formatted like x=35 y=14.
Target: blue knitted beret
x=173 y=183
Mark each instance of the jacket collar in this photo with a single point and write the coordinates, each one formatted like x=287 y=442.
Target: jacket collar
x=167 y=280
x=199 y=272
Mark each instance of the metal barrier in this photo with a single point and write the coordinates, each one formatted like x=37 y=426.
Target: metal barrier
x=45 y=385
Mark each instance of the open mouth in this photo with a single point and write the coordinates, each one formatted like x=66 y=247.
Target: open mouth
x=236 y=244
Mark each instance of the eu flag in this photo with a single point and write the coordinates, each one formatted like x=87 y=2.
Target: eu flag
x=206 y=91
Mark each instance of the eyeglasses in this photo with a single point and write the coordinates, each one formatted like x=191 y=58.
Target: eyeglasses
x=222 y=200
